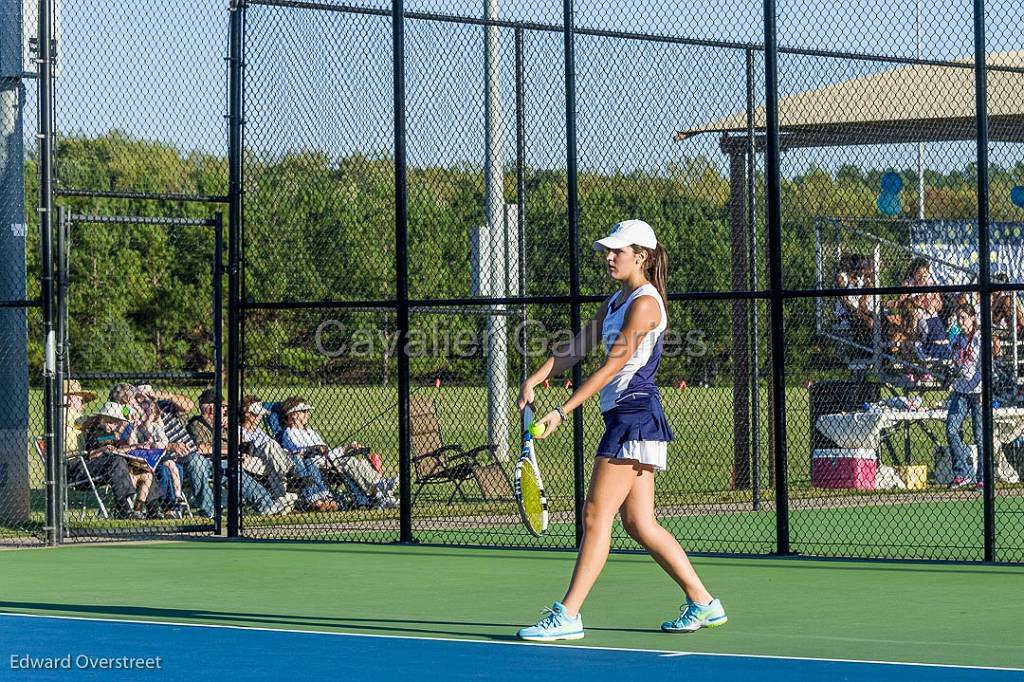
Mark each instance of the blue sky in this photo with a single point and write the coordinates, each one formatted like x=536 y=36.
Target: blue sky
x=323 y=80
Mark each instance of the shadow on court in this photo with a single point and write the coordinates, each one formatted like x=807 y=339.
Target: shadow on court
x=345 y=624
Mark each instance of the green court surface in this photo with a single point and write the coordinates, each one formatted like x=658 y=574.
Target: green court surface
x=907 y=612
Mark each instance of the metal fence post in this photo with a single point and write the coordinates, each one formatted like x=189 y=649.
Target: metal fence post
x=773 y=206
x=218 y=348
x=60 y=332
x=754 y=338
x=521 y=195
x=235 y=149
x=569 y=29
x=45 y=210
x=402 y=271
x=985 y=449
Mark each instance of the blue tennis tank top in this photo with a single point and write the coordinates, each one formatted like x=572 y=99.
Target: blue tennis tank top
x=638 y=373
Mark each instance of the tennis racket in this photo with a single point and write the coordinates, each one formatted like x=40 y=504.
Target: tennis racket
x=529 y=487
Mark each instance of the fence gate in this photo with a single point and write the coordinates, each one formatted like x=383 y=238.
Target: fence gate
x=116 y=278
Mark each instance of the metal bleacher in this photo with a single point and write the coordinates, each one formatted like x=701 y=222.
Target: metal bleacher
x=890 y=245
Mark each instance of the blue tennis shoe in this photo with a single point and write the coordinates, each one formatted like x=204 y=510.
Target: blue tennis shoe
x=555 y=625
x=693 y=617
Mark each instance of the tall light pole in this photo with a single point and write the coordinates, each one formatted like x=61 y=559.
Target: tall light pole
x=493 y=241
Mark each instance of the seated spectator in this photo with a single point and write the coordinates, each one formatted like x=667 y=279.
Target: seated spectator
x=856 y=311
x=909 y=314
x=105 y=443
x=124 y=394
x=146 y=436
x=1003 y=309
x=299 y=436
x=901 y=326
x=932 y=338
x=151 y=432
x=74 y=406
x=918 y=274
x=195 y=469
x=105 y=467
x=200 y=429
x=277 y=462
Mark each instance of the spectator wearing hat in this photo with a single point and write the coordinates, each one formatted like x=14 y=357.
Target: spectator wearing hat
x=200 y=428
x=298 y=436
x=104 y=467
x=145 y=432
x=75 y=399
x=106 y=453
x=193 y=467
x=277 y=462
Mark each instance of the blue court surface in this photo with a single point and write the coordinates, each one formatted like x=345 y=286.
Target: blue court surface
x=90 y=649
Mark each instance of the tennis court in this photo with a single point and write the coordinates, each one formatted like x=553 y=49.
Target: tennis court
x=212 y=608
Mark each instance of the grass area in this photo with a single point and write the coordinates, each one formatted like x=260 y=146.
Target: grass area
x=847 y=610
x=922 y=530
x=872 y=523
x=702 y=418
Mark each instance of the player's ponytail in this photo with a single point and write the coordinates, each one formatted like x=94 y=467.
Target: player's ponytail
x=656 y=270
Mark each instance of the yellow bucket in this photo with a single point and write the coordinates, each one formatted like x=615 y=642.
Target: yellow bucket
x=914 y=475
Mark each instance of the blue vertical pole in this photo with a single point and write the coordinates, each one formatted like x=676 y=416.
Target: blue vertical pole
x=15 y=494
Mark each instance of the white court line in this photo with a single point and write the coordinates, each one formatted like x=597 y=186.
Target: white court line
x=576 y=647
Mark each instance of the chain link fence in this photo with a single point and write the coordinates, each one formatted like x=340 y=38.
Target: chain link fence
x=408 y=233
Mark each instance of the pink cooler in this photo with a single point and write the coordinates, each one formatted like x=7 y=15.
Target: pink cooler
x=835 y=468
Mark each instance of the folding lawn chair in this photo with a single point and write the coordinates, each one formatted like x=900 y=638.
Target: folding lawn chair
x=435 y=463
x=83 y=482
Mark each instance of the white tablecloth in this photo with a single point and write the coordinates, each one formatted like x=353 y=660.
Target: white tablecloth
x=864 y=429
x=855 y=430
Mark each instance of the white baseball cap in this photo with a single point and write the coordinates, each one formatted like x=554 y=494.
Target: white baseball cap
x=257 y=408
x=627 y=233
x=301 y=407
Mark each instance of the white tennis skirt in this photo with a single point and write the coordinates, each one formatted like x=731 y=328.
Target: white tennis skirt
x=652 y=452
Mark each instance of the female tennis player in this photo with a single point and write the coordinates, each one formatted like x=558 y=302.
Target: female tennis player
x=630 y=324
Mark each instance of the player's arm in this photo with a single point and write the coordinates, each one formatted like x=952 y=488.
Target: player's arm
x=567 y=356
x=643 y=316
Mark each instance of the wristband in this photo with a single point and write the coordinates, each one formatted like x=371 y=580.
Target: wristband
x=561 y=412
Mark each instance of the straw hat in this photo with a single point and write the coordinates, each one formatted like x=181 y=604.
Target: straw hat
x=72 y=387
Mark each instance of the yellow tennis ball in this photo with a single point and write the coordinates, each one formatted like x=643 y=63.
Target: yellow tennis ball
x=537 y=429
